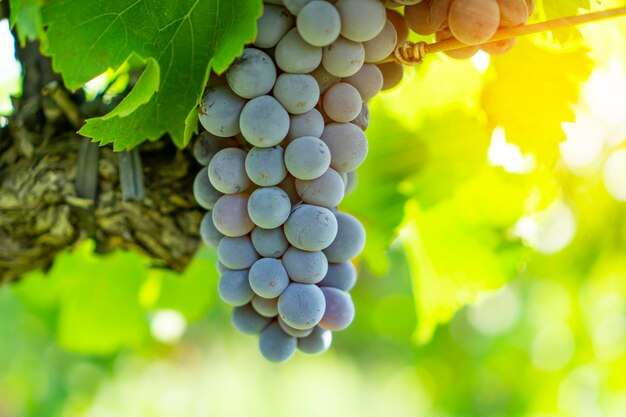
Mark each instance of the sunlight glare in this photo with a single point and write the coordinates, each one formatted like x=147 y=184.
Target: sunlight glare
x=507 y=155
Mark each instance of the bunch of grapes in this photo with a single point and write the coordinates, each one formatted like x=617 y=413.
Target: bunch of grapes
x=473 y=22
x=284 y=136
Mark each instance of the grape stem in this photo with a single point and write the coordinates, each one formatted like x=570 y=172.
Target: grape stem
x=413 y=53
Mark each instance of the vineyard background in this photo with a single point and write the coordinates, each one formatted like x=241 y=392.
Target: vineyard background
x=493 y=282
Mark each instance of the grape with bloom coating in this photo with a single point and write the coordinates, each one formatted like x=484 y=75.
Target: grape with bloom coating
x=267 y=307
x=234 y=289
x=247 y=320
x=348 y=146
x=266 y=166
x=268 y=278
x=304 y=266
x=302 y=306
x=269 y=243
x=230 y=215
x=276 y=345
x=350 y=239
x=293 y=54
x=340 y=275
x=236 y=252
x=227 y=171
x=272 y=26
x=207 y=145
x=311 y=228
x=361 y=20
x=208 y=232
x=381 y=46
x=368 y=81
x=310 y=123
x=319 y=23
x=264 y=122
x=298 y=93
x=203 y=191
x=325 y=191
x=291 y=331
x=253 y=74
x=219 y=111
x=307 y=158
x=339 y=311
x=343 y=57
x=269 y=207
x=474 y=21
x=317 y=342
x=342 y=102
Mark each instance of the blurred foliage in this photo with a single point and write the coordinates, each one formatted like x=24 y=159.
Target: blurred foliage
x=493 y=282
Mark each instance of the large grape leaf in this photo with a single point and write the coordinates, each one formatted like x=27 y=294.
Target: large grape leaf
x=462 y=246
x=185 y=39
x=531 y=95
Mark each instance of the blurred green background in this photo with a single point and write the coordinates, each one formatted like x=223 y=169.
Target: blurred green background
x=493 y=283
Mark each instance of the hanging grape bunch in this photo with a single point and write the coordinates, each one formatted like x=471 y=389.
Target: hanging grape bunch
x=284 y=138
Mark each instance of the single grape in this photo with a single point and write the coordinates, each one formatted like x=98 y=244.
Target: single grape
x=347 y=144
x=205 y=194
x=269 y=243
x=368 y=81
x=236 y=252
x=291 y=331
x=340 y=275
x=220 y=110
x=253 y=74
x=324 y=78
x=319 y=23
x=361 y=20
x=310 y=123
x=230 y=215
x=343 y=57
x=289 y=186
x=381 y=46
x=268 y=277
x=264 y=122
x=474 y=22
x=298 y=93
x=208 y=232
x=342 y=102
x=307 y=157
x=247 y=320
x=234 y=289
x=392 y=74
x=311 y=228
x=513 y=12
x=325 y=191
x=317 y=342
x=400 y=25
x=227 y=171
x=305 y=267
x=276 y=345
x=339 y=311
x=350 y=239
x=301 y=306
x=207 y=145
x=269 y=207
x=272 y=26
x=293 y=54
x=266 y=166
x=267 y=307
x=418 y=18
x=363 y=119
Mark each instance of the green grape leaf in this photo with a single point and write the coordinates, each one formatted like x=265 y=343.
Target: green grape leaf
x=185 y=38
x=462 y=246
x=531 y=95
x=554 y=9
x=26 y=18
x=99 y=308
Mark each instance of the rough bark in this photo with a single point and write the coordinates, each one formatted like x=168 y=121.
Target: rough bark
x=41 y=212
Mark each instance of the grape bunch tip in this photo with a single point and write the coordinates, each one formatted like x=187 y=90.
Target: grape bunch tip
x=283 y=139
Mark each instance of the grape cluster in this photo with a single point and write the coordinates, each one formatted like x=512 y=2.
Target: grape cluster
x=284 y=136
x=473 y=22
